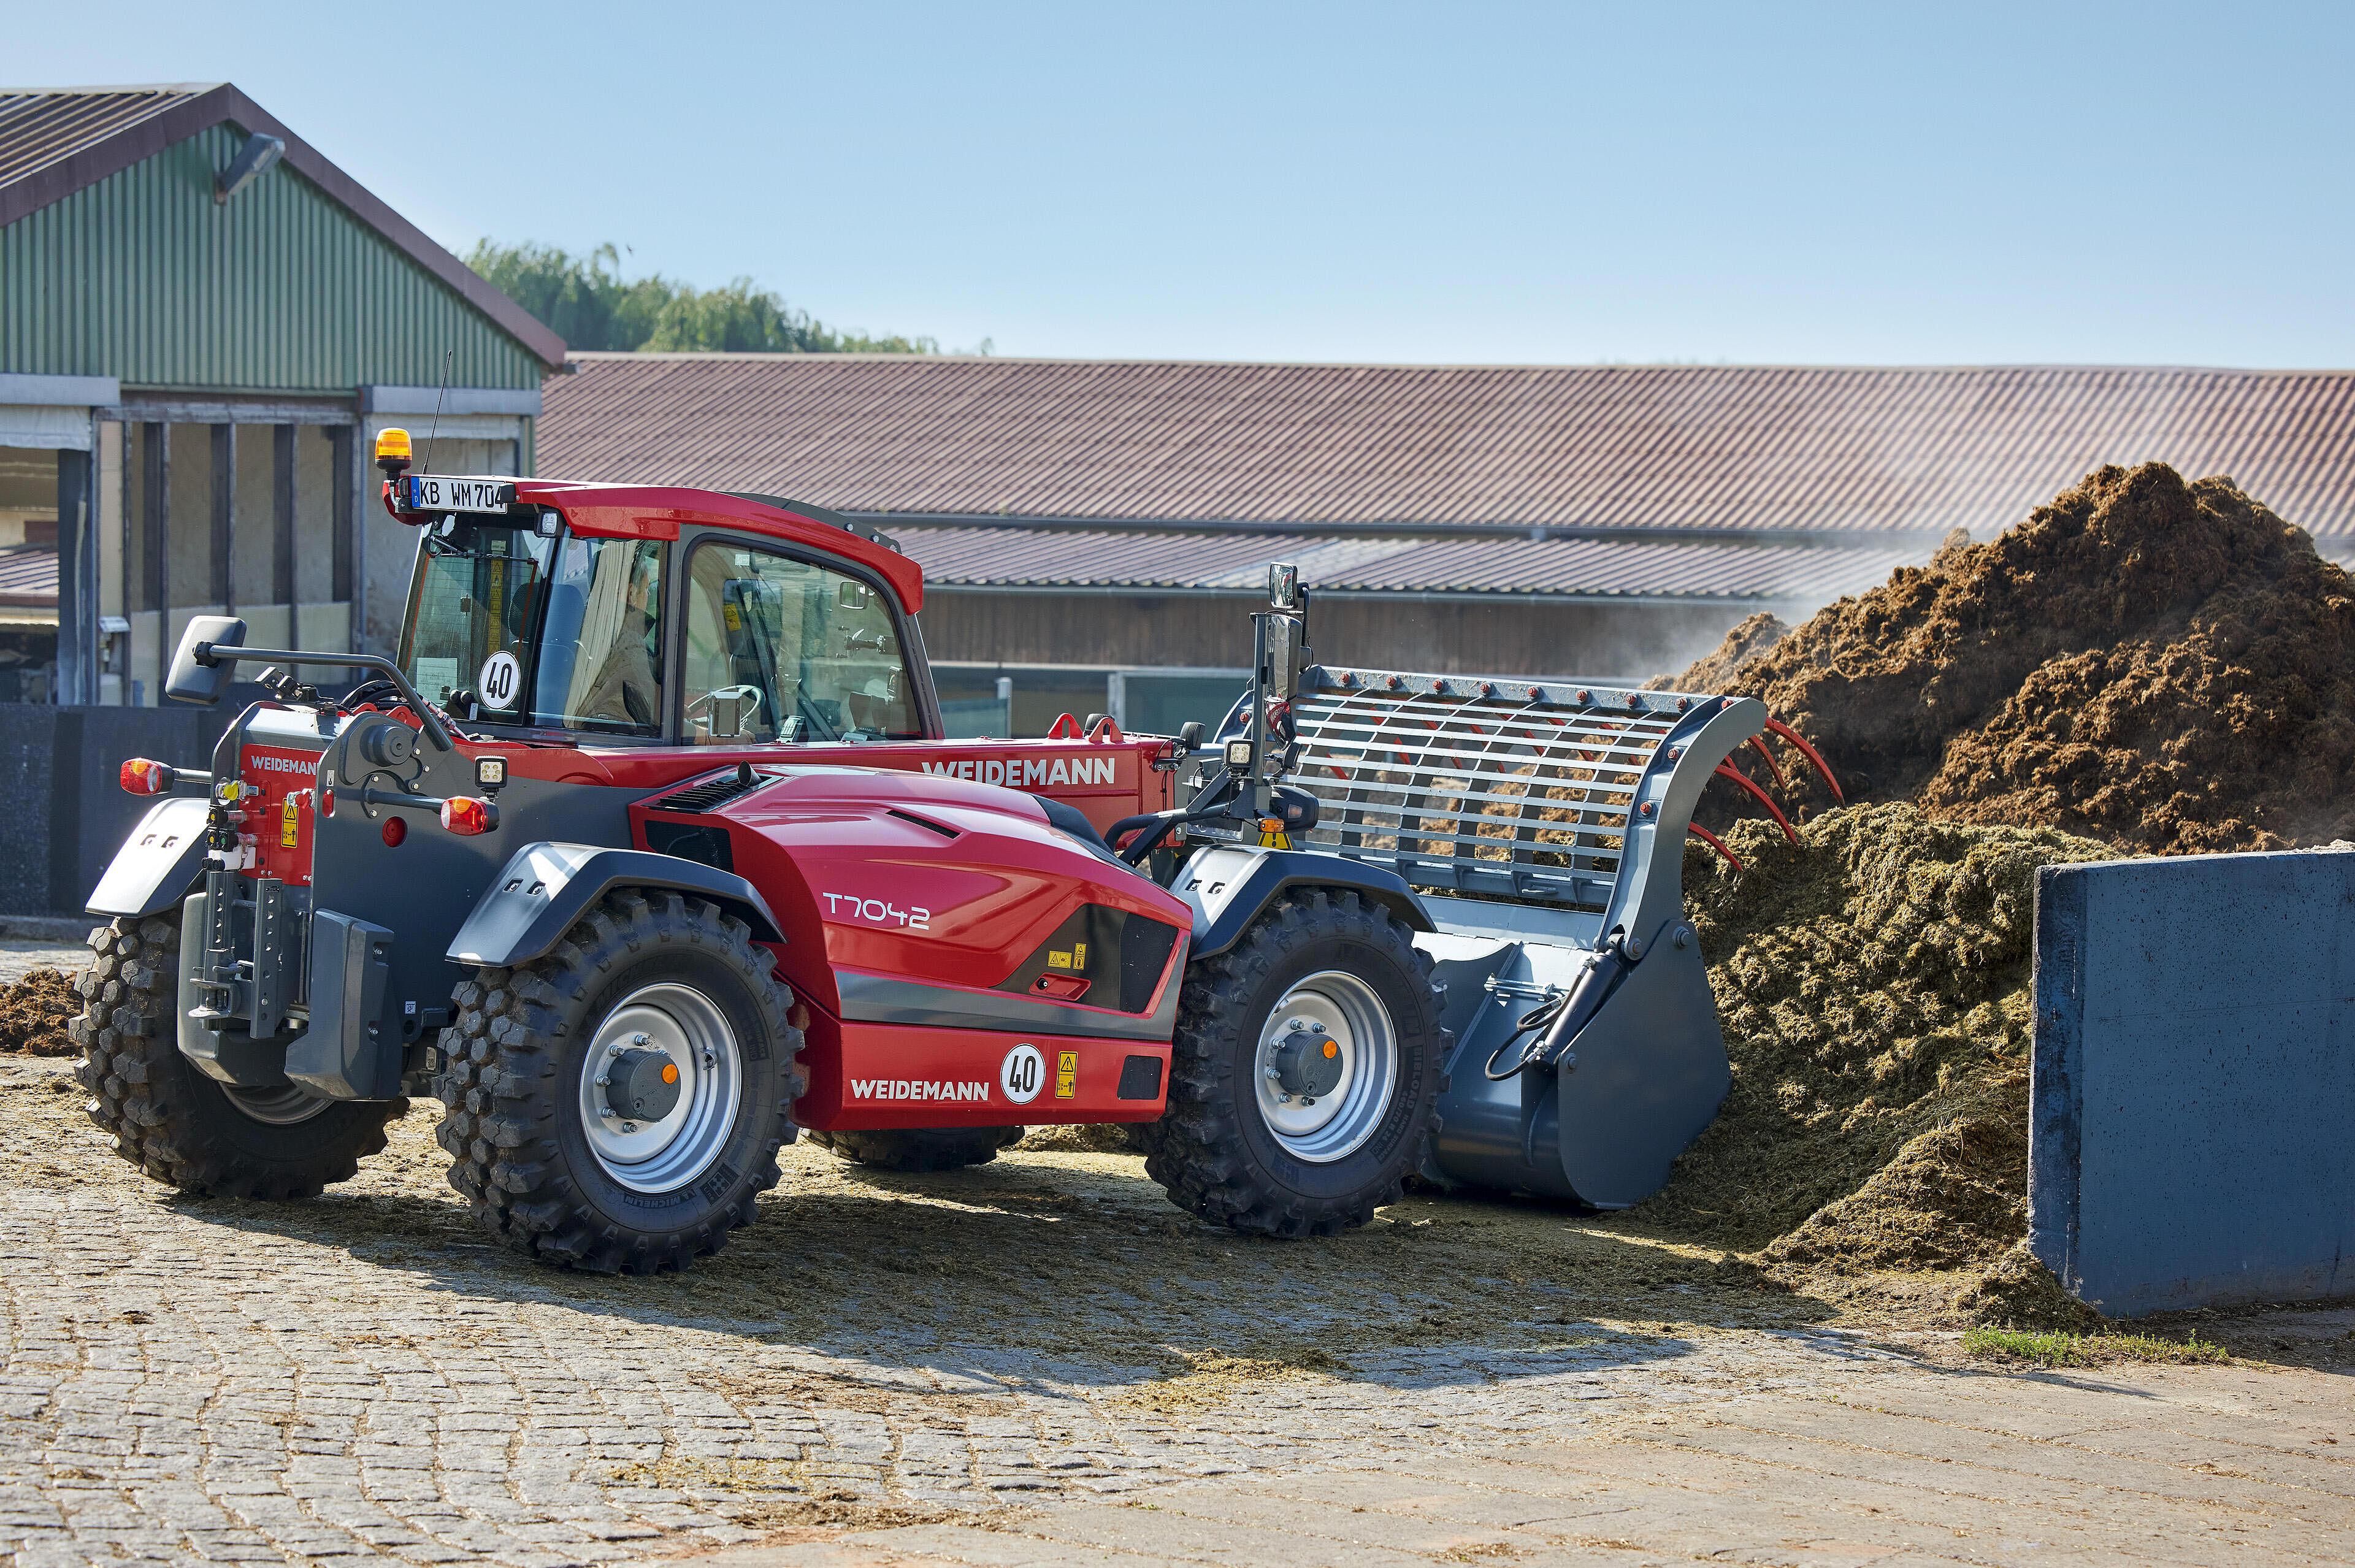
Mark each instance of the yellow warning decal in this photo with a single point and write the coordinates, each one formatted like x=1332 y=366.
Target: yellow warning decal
x=288 y=824
x=1067 y=1074
x=1077 y=958
x=1079 y=954
x=735 y=622
x=1059 y=960
x=1275 y=840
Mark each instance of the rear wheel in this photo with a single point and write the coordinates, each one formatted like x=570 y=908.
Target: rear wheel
x=1305 y=1077
x=175 y=1121
x=618 y=1104
x=919 y=1148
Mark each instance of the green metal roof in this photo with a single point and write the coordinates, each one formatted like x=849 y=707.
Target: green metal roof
x=116 y=260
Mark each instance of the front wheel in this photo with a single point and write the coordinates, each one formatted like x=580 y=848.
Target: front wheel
x=617 y=1104
x=1303 y=1081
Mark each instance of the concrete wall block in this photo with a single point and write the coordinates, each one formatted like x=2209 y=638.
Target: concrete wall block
x=61 y=764
x=2193 y=1082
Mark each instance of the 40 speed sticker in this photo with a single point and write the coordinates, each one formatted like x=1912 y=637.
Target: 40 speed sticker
x=1023 y=1074
x=496 y=682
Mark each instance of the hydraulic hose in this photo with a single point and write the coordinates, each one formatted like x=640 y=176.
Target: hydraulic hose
x=1561 y=1017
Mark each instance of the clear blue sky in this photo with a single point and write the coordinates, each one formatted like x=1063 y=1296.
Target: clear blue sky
x=1446 y=182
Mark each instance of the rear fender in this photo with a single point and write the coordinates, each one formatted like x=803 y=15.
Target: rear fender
x=162 y=860
x=545 y=888
x=1227 y=889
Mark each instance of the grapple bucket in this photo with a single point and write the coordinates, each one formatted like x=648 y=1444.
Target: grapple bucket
x=1544 y=825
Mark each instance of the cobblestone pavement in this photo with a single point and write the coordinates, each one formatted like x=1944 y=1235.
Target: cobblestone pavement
x=20 y=956
x=1038 y=1360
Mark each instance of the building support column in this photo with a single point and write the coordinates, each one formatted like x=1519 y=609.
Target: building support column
x=156 y=523
x=281 y=508
x=225 y=517
x=77 y=580
x=343 y=482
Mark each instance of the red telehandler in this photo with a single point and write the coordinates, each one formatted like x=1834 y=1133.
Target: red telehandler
x=646 y=853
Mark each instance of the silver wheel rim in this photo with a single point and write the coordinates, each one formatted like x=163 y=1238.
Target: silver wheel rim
x=688 y=1027
x=1337 y=1124
x=280 y=1107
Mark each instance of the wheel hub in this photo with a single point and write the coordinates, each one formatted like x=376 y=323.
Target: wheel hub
x=1308 y=1061
x=1327 y=1067
x=660 y=1084
x=641 y=1085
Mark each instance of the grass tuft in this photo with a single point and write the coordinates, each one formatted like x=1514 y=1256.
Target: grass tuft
x=2064 y=1350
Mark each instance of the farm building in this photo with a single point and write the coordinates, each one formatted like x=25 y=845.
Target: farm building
x=202 y=323
x=1093 y=532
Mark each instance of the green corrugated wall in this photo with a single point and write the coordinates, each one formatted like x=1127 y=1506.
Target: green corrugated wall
x=144 y=276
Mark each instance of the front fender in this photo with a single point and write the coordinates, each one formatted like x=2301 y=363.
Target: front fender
x=545 y=888
x=1228 y=888
x=157 y=865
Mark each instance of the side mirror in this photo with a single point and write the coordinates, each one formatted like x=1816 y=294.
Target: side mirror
x=1189 y=737
x=1284 y=586
x=203 y=681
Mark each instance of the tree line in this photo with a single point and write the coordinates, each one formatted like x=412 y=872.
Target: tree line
x=585 y=300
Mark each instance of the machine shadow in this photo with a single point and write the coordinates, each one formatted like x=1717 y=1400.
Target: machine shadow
x=1077 y=1271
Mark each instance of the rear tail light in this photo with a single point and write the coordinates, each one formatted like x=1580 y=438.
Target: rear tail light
x=465 y=815
x=140 y=777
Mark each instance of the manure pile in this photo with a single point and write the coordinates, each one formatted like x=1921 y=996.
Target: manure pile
x=33 y=1014
x=2145 y=665
x=2167 y=666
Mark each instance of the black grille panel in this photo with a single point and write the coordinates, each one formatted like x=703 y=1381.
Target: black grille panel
x=718 y=790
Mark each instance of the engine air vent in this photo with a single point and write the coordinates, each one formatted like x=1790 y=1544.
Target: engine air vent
x=717 y=790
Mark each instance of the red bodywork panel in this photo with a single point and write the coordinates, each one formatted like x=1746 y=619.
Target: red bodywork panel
x=1105 y=780
x=953 y=886
x=278 y=820
x=657 y=511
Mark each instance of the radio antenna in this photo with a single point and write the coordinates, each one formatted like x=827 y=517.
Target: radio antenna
x=440 y=392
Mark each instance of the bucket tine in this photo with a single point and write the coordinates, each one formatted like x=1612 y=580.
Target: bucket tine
x=1767 y=752
x=1727 y=769
x=1810 y=754
x=1714 y=842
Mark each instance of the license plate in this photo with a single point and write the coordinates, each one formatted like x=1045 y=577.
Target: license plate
x=445 y=493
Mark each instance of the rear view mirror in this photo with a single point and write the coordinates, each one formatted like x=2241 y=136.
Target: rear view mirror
x=851 y=595
x=1283 y=585
x=191 y=681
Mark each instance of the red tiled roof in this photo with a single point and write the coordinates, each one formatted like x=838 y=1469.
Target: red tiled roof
x=29 y=578
x=1476 y=563
x=1742 y=452
x=42 y=126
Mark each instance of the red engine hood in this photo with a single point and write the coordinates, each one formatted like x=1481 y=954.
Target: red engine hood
x=928 y=878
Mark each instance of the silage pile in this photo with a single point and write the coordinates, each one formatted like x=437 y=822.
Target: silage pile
x=2146 y=666
x=1873 y=985
x=2167 y=666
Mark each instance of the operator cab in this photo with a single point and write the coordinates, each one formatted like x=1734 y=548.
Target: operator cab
x=519 y=621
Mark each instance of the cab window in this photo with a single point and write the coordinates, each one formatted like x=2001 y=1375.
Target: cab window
x=779 y=649
x=601 y=655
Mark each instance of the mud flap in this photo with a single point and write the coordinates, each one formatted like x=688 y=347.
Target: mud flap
x=352 y=1051
x=162 y=860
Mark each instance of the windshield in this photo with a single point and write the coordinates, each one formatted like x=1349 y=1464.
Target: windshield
x=472 y=598
x=484 y=593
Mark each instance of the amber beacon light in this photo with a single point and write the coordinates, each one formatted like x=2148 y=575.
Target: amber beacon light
x=392 y=450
